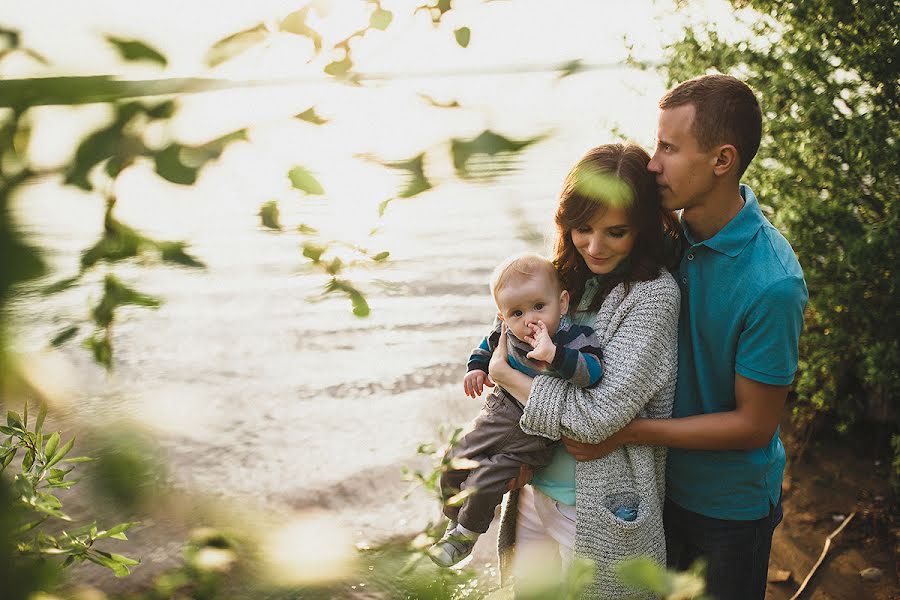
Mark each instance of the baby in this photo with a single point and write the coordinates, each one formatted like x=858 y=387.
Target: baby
x=541 y=340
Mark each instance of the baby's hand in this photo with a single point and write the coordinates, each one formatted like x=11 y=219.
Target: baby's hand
x=544 y=348
x=474 y=383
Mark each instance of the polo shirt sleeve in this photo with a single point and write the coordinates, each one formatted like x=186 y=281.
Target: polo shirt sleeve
x=767 y=349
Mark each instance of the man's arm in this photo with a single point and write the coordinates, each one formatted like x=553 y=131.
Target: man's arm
x=758 y=408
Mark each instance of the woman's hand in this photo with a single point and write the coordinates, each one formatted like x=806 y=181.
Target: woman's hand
x=499 y=367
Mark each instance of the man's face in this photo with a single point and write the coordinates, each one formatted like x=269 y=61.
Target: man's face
x=684 y=173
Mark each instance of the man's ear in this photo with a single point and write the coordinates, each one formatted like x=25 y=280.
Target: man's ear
x=726 y=160
x=564 y=301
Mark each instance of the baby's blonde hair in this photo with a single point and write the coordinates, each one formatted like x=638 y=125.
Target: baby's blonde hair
x=525 y=264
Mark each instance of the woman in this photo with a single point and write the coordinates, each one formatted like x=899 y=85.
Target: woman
x=613 y=246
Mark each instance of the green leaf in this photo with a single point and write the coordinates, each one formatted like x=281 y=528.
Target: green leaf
x=416 y=182
x=136 y=50
x=463 y=34
x=118 y=569
x=486 y=144
x=60 y=286
x=124 y=559
x=236 y=43
x=52 y=443
x=42 y=413
x=380 y=19
x=169 y=166
x=8 y=459
x=101 y=348
x=28 y=461
x=381 y=256
x=296 y=23
x=357 y=300
x=60 y=453
x=14 y=420
x=309 y=115
x=64 y=336
x=174 y=252
x=458 y=499
x=335 y=266
x=643 y=574
x=305 y=229
x=339 y=68
x=116 y=294
x=79 y=459
x=302 y=179
x=313 y=252
x=269 y=213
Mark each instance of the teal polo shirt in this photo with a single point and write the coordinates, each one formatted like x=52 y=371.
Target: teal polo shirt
x=742 y=301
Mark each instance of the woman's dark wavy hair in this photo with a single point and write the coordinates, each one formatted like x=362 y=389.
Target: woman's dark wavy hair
x=597 y=182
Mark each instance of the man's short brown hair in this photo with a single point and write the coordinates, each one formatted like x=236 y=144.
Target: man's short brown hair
x=725 y=112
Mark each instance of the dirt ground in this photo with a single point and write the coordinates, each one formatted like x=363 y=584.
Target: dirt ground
x=830 y=481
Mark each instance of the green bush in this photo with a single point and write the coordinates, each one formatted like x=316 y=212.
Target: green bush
x=825 y=73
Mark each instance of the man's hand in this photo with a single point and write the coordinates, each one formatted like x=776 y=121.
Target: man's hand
x=544 y=348
x=474 y=382
x=583 y=451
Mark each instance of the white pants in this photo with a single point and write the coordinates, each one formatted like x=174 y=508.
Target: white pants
x=545 y=537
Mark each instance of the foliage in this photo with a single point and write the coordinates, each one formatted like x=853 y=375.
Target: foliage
x=826 y=76
x=35 y=489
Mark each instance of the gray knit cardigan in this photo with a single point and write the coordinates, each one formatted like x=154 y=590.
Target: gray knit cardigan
x=639 y=333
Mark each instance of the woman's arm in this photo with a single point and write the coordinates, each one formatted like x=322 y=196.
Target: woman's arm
x=640 y=361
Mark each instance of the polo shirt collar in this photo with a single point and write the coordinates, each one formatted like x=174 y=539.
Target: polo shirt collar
x=737 y=233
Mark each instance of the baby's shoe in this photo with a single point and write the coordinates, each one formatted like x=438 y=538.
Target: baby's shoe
x=453 y=547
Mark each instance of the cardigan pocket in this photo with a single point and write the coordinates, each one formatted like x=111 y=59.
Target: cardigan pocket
x=614 y=501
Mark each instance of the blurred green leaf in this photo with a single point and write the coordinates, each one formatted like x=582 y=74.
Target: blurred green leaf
x=296 y=23
x=380 y=19
x=305 y=229
x=432 y=102
x=101 y=348
x=174 y=252
x=136 y=50
x=570 y=68
x=198 y=156
x=116 y=294
x=169 y=165
x=334 y=266
x=313 y=252
x=309 y=115
x=302 y=179
x=603 y=187
x=101 y=145
x=232 y=45
x=381 y=256
x=64 y=336
x=268 y=213
x=644 y=574
x=487 y=143
x=463 y=34
x=60 y=286
x=358 y=301
x=339 y=68
x=417 y=182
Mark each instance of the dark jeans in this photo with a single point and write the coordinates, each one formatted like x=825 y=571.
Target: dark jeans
x=736 y=552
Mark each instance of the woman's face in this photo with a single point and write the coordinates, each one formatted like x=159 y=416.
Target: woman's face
x=605 y=240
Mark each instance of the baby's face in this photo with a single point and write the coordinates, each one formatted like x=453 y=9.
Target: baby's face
x=524 y=300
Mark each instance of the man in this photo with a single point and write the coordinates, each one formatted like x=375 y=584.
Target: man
x=742 y=305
